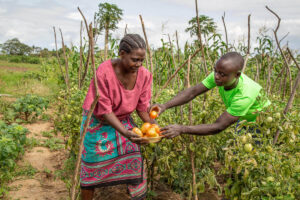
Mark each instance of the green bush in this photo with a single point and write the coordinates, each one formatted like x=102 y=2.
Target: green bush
x=12 y=141
x=30 y=107
x=21 y=59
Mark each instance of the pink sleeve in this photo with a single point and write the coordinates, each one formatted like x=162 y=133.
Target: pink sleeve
x=104 y=104
x=145 y=97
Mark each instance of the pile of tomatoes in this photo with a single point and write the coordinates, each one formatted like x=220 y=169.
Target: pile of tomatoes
x=147 y=129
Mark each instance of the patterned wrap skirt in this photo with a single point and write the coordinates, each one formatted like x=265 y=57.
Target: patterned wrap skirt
x=109 y=159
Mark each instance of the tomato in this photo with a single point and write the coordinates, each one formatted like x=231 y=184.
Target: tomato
x=145 y=127
x=157 y=129
x=269 y=119
x=153 y=114
x=269 y=149
x=137 y=131
x=243 y=139
x=151 y=132
x=270 y=179
x=249 y=136
x=248 y=147
x=277 y=115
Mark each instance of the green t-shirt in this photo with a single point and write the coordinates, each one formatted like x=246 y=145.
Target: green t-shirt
x=245 y=100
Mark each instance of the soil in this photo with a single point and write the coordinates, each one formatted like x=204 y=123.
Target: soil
x=43 y=185
x=19 y=69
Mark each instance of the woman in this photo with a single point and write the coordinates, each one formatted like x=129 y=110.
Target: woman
x=109 y=156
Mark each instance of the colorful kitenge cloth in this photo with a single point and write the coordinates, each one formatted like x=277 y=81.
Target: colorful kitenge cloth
x=108 y=158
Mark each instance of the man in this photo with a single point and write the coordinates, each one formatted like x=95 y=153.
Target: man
x=241 y=95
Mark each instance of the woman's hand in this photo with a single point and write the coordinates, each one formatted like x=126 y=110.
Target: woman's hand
x=130 y=134
x=133 y=137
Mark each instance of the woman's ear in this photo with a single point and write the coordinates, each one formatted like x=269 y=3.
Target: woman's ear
x=122 y=53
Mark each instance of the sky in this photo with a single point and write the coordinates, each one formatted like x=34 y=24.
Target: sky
x=32 y=21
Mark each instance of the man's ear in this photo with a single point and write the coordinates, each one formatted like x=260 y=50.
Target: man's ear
x=238 y=74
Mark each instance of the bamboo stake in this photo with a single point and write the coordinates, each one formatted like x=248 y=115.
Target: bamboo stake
x=88 y=54
x=248 y=49
x=178 y=61
x=171 y=48
x=57 y=56
x=192 y=156
x=125 y=31
x=178 y=49
x=149 y=52
x=200 y=39
x=147 y=44
x=86 y=124
x=80 y=58
x=225 y=29
x=174 y=74
x=278 y=45
x=66 y=60
x=292 y=96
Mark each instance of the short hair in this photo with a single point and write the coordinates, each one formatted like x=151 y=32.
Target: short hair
x=130 y=42
x=237 y=59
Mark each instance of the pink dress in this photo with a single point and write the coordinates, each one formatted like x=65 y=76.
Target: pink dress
x=114 y=97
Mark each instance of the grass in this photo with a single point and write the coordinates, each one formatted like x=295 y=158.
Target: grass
x=13 y=80
x=47 y=134
x=54 y=144
x=28 y=171
x=28 y=66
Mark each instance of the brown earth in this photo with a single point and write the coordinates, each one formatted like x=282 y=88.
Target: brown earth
x=43 y=186
x=10 y=68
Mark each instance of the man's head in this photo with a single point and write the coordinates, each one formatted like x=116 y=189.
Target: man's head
x=228 y=69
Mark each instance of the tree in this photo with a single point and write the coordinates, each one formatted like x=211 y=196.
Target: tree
x=108 y=17
x=207 y=24
x=15 y=47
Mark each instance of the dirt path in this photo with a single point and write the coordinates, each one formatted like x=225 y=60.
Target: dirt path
x=43 y=185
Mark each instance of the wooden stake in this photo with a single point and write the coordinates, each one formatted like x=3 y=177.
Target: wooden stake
x=225 y=29
x=200 y=39
x=292 y=96
x=192 y=156
x=248 y=49
x=57 y=56
x=174 y=74
x=80 y=58
x=66 y=60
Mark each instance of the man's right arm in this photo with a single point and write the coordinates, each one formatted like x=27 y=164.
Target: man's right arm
x=181 y=98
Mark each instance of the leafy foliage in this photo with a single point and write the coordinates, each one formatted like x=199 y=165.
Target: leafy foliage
x=12 y=141
x=30 y=107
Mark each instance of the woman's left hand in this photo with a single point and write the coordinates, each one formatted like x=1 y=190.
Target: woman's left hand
x=139 y=140
x=172 y=131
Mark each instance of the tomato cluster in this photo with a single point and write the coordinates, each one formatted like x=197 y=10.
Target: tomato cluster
x=148 y=130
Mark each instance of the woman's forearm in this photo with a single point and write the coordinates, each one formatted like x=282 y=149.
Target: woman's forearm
x=112 y=119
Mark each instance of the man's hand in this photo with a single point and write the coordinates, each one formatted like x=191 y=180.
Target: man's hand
x=172 y=131
x=159 y=108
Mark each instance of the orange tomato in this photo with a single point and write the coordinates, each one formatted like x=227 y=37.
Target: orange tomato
x=152 y=133
x=153 y=114
x=145 y=127
x=137 y=131
x=157 y=129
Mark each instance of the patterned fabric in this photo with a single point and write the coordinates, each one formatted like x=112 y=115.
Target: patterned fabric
x=108 y=158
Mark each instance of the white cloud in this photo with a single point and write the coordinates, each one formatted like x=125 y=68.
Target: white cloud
x=32 y=21
x=75 y=16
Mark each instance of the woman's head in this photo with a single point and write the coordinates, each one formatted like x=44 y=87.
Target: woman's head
x=132 y=52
